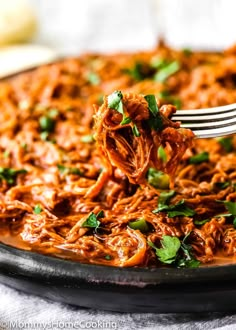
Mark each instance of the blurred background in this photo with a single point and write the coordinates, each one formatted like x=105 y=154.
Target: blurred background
x=40 y=30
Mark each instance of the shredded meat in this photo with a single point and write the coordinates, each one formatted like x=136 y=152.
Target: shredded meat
x=65 y=157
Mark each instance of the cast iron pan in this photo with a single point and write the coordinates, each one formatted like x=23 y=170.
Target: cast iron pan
x=120 y=289
x=163 y=290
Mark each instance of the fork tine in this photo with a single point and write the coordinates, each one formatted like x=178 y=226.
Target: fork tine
x=215 y=132
x=207 y=111
x=202 y=117
x=213 y=124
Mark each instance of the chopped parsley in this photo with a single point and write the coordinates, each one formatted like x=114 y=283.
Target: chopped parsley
x=53 y=113
x=136 y=72
x=187 y=52
x=168 y=252
x=199 y=158
x=162 y=154
x=68 y=170
x=46 y=124
x=37 y=209
x=166 y=71
x=158 y=179
x=135 y=131
x=179 y=209
x=125 y=121
x=158 y=62
x=9 y=174
x=115 y=102
x=165 y=95
x=201 y=222
x=107 y=257
x=93 y=78
x=93 y=220
x=155 y=120
x=226 y=143
x=140 y=224
x=173 y=251
x=6 y=154
x=222 y=185
x=88 y=138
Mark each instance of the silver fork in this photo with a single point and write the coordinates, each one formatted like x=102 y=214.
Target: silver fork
x=209 y=122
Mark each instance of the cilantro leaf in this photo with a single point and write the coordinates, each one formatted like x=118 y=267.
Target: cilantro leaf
x=93 y=78
x=187 y=52
x=115 y=101
x=227 y=143
x=140 y=224
x=155 y=120
x=166 y=71
x=231 y=207
x=125 y=120
x=46 y=124
x=136 y=72
x=135 y=131
x=68 y=170
x=201 y=222
x=176 y=252
x=158 y=179
x=162 y=154
x=93 y=220
x=87 y=138
x=199 y=158
x=9 y=174
x=158 y=62
x=165 y=196
x=179 y=209
x=37 y=209
x=222 y=185
x=170 y=246
x=152 y=104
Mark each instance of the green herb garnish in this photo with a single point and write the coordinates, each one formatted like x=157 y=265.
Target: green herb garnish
x=155 y=120
x=187 y=52
x=179 y=209
x=158 y=62
x=37 y=209
x=140 y=224
x=136 y=72
x=166 y=71
x=162 y=154
x=93 y=220
x=201 y=222
x=199 y=158
x=46 y=124
x=68 y=170
x=87 y=138
x=107 y=257
x=6 y=154
x=125 y=120
x=115 y=102
x=9 y=174
x=222 y=185
x=165 y=197
x=227 y=143
x=135 y=131
x=173 y=251
x=93 y=78
x=53 y=113
x=168 y=252
x=158 y=179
